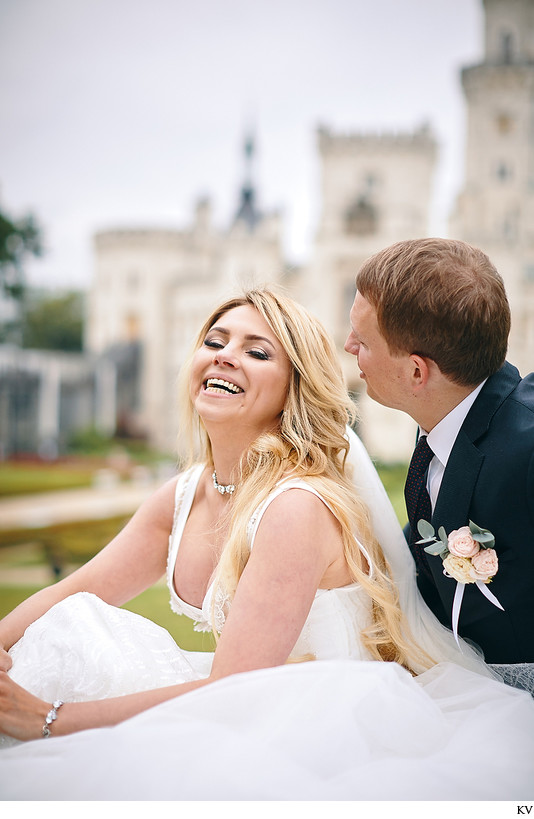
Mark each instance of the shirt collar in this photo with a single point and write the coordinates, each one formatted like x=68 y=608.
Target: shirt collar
x=441 y=439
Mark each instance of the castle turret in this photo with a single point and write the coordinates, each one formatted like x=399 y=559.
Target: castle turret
x=248 y=213
x=495 y=210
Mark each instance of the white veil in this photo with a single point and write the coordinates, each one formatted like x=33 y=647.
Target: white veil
x=429 y=633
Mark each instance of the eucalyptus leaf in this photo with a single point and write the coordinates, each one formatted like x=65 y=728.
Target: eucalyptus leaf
x=435 y=548
x=443 y=535
x=483 y=537
x=425 y=529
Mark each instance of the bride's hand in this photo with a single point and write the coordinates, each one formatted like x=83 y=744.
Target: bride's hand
x=5 y=660
x=22 y=715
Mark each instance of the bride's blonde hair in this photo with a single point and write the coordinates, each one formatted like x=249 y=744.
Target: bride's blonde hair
x=309 y=443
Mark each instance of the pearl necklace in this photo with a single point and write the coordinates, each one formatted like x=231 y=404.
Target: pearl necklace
x=224 y=490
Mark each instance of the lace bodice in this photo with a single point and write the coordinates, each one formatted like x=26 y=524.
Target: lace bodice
x=332 y=628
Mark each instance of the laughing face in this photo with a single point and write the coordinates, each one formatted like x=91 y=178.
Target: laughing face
x=240 y=374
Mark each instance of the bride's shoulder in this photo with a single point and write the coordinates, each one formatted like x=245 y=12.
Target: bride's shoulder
x=292 y=490
x=298 y=494
x=296 y=510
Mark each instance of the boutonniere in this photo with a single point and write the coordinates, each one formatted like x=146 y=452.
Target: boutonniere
x=468 y=557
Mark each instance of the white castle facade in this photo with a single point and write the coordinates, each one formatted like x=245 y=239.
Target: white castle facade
x=495 y=210
x=154 y=287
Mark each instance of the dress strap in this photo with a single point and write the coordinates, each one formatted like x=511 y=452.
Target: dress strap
x=184 y=495
x=187 y=480
x=283 y=486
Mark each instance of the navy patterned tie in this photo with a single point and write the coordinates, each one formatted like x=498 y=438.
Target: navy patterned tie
x=417 y=499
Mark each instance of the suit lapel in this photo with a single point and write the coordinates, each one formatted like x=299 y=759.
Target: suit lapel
x=458 y=485
x=494 y=392
x=465 y=462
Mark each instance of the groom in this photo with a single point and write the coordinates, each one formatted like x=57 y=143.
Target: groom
x=430 y=325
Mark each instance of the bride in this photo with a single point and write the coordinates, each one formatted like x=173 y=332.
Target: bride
x=330 y=679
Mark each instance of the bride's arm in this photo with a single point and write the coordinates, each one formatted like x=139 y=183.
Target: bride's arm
x=130 y=563
x=297 y=541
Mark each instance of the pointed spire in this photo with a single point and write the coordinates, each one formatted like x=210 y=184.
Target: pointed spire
x=247 y=211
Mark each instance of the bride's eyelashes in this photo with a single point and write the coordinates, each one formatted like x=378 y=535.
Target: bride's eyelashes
x=215 y=344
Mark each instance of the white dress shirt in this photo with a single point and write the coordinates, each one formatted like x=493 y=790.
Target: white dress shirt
x=441 y=441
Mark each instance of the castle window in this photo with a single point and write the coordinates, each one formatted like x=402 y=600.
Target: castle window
x=504 y=172
x=507 y=47
x=505 y=123
x=361 y=218
x=509 y=226
x=371 y=181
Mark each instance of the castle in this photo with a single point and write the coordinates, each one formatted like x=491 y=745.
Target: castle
x=153 y=288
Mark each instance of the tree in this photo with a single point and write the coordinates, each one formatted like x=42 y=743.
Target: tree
x=53 y=322
x=18 y=240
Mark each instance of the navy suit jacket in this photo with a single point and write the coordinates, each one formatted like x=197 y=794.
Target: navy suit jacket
x=489 y=479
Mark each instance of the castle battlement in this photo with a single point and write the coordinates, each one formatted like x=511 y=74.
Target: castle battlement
x=420 y=138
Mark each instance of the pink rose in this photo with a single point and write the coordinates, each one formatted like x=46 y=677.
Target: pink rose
x=485 y=564
x=461 y=543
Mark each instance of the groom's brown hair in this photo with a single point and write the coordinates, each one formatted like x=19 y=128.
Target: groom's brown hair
x=441 y=299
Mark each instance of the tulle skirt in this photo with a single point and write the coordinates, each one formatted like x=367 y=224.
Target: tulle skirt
x=330 y=730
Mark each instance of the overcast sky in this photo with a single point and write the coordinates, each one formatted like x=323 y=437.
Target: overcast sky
x=124 y=112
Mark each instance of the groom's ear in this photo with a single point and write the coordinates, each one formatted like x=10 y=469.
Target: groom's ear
x=420 y=371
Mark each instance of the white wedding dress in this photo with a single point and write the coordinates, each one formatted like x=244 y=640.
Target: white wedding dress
x=340 y=728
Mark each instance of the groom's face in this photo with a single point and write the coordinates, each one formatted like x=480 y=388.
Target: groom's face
x=383 y=373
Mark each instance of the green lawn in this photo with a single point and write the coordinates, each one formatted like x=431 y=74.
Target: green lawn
x=22 y=479
x=393 y=478
x=64 y=542
x=77 y=469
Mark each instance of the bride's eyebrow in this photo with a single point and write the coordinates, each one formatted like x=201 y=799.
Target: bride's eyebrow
x=251 y=337
x=248 y=337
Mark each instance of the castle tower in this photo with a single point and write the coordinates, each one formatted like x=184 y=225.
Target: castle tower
x=376 y=190
x=495 y=210
x=252 y=253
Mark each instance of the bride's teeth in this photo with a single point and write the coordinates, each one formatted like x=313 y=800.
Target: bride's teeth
x=219 y=385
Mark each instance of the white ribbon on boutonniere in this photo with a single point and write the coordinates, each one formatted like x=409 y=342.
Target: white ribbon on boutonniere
x=468 y=557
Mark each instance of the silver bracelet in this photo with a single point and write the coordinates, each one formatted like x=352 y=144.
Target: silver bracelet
x=51 y=716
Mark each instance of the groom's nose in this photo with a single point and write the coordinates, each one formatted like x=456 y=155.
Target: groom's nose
x=351 y=345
